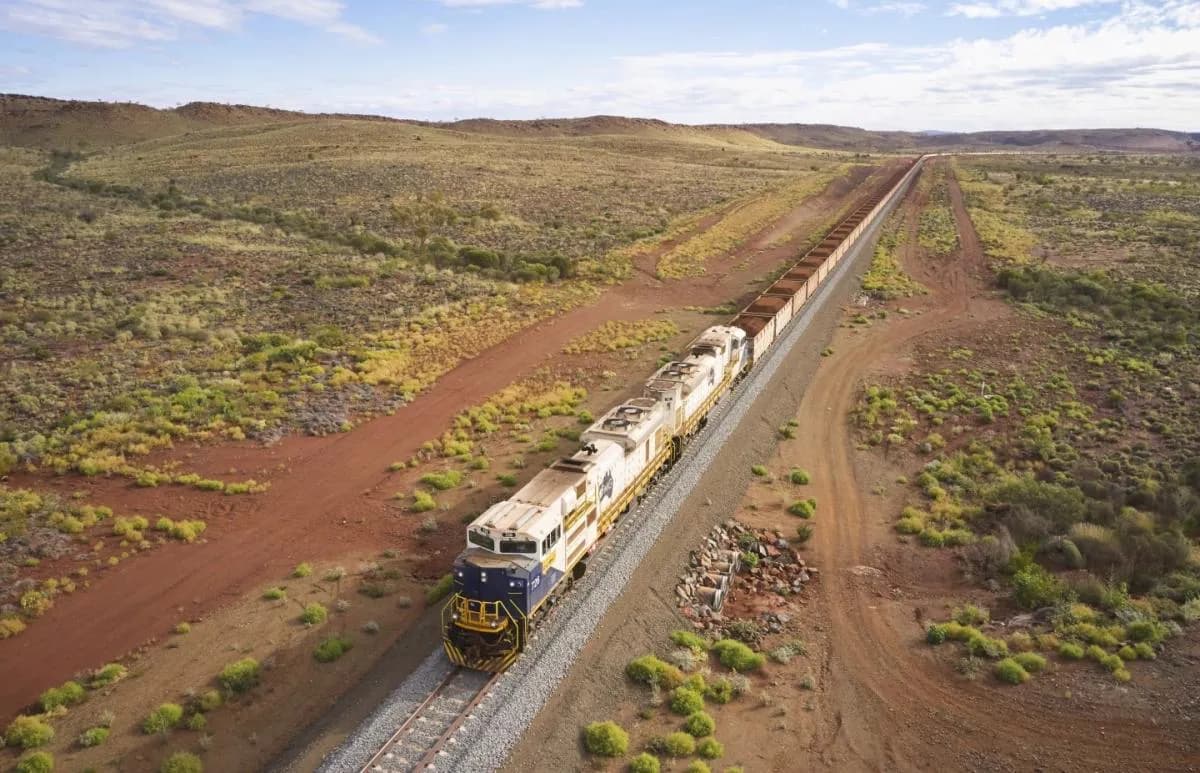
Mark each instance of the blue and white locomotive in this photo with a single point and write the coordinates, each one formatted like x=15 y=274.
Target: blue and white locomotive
x=522 y=551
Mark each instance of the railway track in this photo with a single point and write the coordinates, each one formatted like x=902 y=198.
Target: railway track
x=424 y=734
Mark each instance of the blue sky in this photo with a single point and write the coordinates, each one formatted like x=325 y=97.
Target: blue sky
x=884 y=64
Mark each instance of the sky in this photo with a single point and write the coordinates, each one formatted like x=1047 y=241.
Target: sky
x=881 y=64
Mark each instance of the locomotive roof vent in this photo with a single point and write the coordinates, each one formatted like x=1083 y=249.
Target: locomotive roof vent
x=616 y=423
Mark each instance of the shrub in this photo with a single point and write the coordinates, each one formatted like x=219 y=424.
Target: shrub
x=1122 y=675
x=647 y=670
x=804 y=533
x=11 y=626
x=423 y=501
x=332 y=648
x=439 y=590
x=737 y=656
x=759 y=470
x=700 y=724
x=800 y=477
x=209 y=700
x=710 y=748
x=107 y=675
x=969 y=614
x=1030 y=661
x=935 y=634
x=274 y=594
x=38 y=762
x=197 y=722
x=240 y=675
x=442 y=481
x=692 y=641
x=696 y=766
x=1144 y=651
x=679 y=744
x=605 y=739
x=685 y=701
x=302 y=570
x=1034 y=587
x=182 y=762
x=719 y=690
x=164 y=718
x=1010 y=671
x=507 y=479
x=69 y=694
x=1146 y=631
x=183 y=627
x=804 y=508
x=785 y=652
x=1127 y=653
x=1070 y=651
x=93 y=737
x=644 y=763
x=985 y=646
x=28 y=732
x=314 y=614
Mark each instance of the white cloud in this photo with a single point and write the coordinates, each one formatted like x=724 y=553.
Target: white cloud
x=1140 y=67
x=434 y=28
x=998 y=8
x=544 y=5
x=123 y=23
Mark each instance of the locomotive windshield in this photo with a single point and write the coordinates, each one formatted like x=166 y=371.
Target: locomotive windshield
x=481 y=539
x=518 y=546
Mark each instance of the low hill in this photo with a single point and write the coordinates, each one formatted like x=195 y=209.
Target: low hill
x=57 y=123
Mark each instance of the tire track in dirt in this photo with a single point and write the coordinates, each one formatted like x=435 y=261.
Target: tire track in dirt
x=887 y=707
x=327 y=497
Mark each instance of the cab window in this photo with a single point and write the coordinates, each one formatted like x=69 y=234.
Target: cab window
x=482 y=540
x=525 y=546
x=551 y=539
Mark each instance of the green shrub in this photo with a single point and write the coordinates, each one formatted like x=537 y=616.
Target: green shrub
x=1146 y=631
x=274 y=594
x=759 y=470
x=1010 y=671
x=1127 y=653
x=507 y=479
x=182 y=762
x=737 y=656
x=28 y=732
x=969 y=614
x=106 y=675
x=314 y=614
x=1034 y=587
x=1112 y=663
x=37 y=762
x=700 y=724
x=1030 y=661
x=800 y=477
x=444 y=480
x=332 y=648
x=209 y=700
x=605 y=739
x=241 y=675
x=197 y=722
x=69 y=694
x=696 y=766
x=685 y=701
x=93 y=737
x=644 y=763
x=183 y=627
x=646 y=669
x=692 y=641
x=163 y=719
x=439 y=590
x=935 y=634
x=803 y=508
x=679 y=744
x=985 y=646
x=719 y=690
x=1144 y=651
x=1070 y=651
x=302 y=570
x=804 y=533
x=710 y=748
x=423 y=501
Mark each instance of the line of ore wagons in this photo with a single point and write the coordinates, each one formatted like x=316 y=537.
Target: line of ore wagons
x=766 y=317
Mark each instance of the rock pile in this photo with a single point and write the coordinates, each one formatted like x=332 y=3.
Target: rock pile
x=758 y=561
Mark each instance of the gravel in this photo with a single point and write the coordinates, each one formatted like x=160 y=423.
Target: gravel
x=486 y=739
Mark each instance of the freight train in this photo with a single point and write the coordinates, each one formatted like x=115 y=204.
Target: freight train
x=523 y=552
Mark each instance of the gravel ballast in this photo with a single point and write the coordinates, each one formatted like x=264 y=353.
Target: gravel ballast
x=485 y=740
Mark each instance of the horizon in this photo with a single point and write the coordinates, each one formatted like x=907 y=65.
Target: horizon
x=882 y=65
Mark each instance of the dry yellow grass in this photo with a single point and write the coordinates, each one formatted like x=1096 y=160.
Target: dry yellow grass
x=614 y=336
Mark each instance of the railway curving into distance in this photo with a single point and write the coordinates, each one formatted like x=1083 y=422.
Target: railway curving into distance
x=523 y=553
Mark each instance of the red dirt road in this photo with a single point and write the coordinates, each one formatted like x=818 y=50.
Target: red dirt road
x=328 y=496
x=889 y=705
